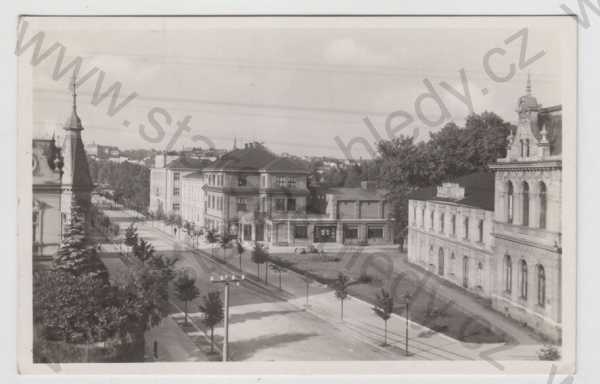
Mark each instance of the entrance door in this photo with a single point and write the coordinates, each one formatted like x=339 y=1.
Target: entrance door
x=441 y=262
x=465 y=272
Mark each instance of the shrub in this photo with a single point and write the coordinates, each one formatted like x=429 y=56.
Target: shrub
x=549 y=352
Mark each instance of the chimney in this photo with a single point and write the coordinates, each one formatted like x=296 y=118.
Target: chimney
x=368 y=185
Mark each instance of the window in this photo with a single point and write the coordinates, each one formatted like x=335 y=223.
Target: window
x=543 y=205
x=242 y=181
x=280 y=181
x=431 y=220
x=507 y=274
x=263 y=181
x=442 y=216
x=415 y=215
x=374 y=233
x=176 y=177
x=453 y=225
x=522 y=149
x=300 y=232
x=509 y=202
x=525 y=204
x=220 y=179
x=466 y=228
x=541 y=280
x=280 y=204
x=241 y=204
x=350 y=232
x=291 y=182
x=176 y=206
x=263 y=205
x=291 y=204
x=527 y=148
x=523 y=279
x=480 y=231
x=423 y=218
x=175 y=191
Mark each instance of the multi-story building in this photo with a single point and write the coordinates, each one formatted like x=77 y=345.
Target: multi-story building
x=527 y=220
x=450 y=231
x=515 y=217
x=166 y=182
x=259 y=196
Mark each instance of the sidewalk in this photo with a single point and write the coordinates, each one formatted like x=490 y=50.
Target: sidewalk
x=173 y=343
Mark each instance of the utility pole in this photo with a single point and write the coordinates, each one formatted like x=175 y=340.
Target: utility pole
x=226 y=280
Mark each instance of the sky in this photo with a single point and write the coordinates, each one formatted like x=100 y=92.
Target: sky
x=305 y=86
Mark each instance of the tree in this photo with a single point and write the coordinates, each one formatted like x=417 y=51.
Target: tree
x=340 y=286
x=384 y=306
x=240 y=250
x=212 y=237
x=143 y=250
x=224 y=242
x=186 y=290
x=131 y=236
x=259 y=256
x=212 y=308
x=74 y=254
x=404 y=166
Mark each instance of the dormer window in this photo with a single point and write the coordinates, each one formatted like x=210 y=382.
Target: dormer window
x=527 y=148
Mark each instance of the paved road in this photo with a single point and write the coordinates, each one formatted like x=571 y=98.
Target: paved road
x=272 y=324
x=265 y=324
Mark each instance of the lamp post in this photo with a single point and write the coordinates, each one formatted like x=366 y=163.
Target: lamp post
x=307 y=280
x=407 y=303
x=226 y=280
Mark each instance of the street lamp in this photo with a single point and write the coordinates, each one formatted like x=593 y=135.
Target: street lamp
x=226 y=280
x=308 y=281
x=407 y=303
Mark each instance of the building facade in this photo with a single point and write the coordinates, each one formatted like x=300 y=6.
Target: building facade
x=450 y=231
x=515 y=213
x=166 y=182
x=527 y=220
x=258 y=196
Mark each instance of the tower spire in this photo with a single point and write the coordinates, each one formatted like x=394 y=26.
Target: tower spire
x=74 y=122
x=73 y=87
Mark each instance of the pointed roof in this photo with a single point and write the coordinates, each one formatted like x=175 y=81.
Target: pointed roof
x=76 y=171
x=74 y=122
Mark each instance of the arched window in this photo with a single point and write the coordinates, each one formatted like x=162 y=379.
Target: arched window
x=543 y=204
x=541 y=282
x=453 y=225
x=466 y=228
x=431 y=220
x=522 y=149
x=441 y=262
x=480 y=231
x=510 y=194
x=507 y=274
x=465 y=272
x=452 y=261
x=525 y=203
x=442 y=216
x=523 y=279
x=423 y=218
x=527 y=148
